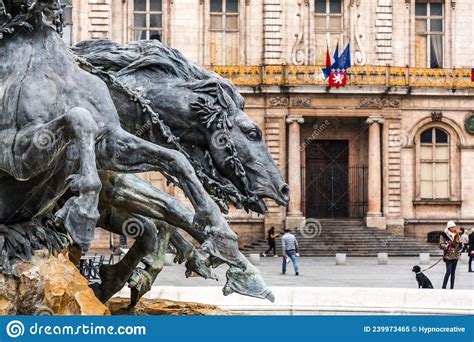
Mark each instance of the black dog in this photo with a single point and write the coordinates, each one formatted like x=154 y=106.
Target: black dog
x=423 y=281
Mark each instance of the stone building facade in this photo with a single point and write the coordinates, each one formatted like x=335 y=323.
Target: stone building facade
x=395 y=147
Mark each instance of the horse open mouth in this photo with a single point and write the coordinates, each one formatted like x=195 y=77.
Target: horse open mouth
x=258 y=206
x=281 y=198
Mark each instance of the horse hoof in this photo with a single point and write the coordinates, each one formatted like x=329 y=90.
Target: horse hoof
x=110 y=283
x=200 y=265
x=140 y=283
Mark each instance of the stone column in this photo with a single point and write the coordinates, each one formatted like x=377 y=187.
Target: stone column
x=374 y=215
x=295 y=216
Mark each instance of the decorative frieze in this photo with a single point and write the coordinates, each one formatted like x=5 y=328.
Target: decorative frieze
x=300 y=102
x=379 y=103
x=278 y=101
x=284 y=102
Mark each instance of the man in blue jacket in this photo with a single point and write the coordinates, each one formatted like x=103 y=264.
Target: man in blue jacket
x=289 y=246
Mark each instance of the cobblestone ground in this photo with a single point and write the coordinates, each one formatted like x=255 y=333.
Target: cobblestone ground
x=359 y=272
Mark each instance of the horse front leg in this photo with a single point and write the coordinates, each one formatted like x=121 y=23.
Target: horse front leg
x=193 y=259
x=114 y=277
x=122 y=152
x=137 y=194
x=142 y=280
x=38 y=147
x=133 y=194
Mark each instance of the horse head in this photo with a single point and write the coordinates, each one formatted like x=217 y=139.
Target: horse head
x=50 y=8
x=237 y=146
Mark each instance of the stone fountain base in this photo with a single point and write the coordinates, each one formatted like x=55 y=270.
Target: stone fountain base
x=52 y=285
x=47 y=285
x=159 y=307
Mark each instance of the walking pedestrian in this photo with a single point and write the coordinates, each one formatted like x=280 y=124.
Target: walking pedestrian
x=272 y=235
x=471 y=249
x=450 y=243
x=289 y=249
x=464 y=240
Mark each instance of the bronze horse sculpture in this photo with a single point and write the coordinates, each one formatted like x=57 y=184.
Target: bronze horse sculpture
x=52 y=110
x=162 y=76
x=60 y=132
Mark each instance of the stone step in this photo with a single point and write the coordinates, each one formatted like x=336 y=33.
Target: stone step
x=352 y=237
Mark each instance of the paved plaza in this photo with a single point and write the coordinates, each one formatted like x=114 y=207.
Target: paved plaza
x=323 y=272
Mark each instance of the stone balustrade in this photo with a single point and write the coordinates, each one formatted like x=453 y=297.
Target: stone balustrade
x=357 y=75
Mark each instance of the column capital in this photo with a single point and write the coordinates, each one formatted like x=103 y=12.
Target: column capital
x=294 y=118
x=375 y=119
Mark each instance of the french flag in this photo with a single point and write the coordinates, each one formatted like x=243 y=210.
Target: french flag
x=472 y=75
x=327 y=69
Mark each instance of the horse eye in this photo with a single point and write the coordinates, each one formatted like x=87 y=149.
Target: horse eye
x=253 y=134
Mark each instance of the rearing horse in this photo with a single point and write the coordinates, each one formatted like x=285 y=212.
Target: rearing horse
x=51 y=109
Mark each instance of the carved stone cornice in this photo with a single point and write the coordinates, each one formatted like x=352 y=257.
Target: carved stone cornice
x=379 y=103
x=278 y=102
x=375 y=119
x=295 y=118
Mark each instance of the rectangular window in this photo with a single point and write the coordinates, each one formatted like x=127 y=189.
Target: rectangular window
x=224 y=32
x=147 y=19
x=434 y=164
x=329 y=27
x=429 y=30
x=67 y=19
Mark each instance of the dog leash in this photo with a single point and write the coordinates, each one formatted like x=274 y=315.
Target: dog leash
x=436 y=263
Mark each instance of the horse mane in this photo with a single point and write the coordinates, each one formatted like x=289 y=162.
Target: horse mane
x=155 y=56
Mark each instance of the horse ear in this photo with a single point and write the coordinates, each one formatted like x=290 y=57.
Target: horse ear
x=221 y=97
x=225 y=100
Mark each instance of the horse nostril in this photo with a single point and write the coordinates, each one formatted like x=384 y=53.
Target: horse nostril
x=285 y=190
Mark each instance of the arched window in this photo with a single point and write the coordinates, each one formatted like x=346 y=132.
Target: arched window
x=434 y=164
